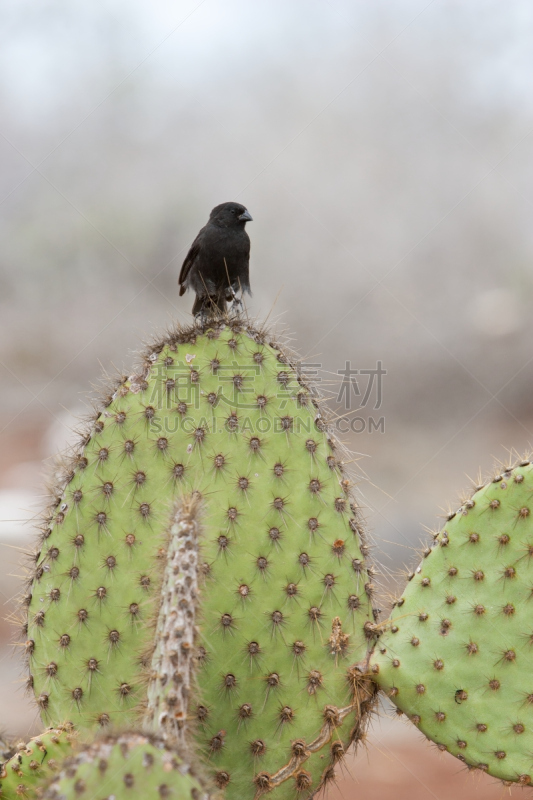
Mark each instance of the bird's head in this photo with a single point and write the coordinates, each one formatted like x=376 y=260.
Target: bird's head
x=230 y=214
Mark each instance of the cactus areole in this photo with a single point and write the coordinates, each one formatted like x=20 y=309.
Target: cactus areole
x=283 y=608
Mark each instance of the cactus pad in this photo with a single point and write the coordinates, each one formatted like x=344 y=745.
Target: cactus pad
x=285 y=604
x=457 y=656
x=34 y=761
x=129 y=765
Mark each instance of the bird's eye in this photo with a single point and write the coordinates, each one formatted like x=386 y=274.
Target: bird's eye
x=233 y=211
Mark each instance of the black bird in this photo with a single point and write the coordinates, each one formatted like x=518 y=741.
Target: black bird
x=216 y=266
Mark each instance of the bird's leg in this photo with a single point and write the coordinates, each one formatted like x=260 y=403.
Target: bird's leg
x=202 y=314
x=236 y=304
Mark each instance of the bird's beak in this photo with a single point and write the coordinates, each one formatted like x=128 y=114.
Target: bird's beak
x=246 y=216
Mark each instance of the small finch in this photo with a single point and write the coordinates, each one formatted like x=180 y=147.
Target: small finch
x=217 y=265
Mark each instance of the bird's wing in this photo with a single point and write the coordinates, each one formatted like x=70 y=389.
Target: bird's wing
x=189 y=261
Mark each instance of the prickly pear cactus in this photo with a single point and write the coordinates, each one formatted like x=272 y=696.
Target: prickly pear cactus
x=285 y=606
x=126 y=766
x=458 y=652
x=35 y=761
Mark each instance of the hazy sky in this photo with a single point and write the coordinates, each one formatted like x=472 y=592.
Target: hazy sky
x=47 y=48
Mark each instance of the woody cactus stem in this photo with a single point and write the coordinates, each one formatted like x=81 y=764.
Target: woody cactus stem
x=173 y=660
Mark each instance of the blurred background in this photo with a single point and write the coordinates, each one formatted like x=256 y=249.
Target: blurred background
x=384 y=150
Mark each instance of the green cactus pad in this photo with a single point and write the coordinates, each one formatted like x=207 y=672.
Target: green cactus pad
x=458 y=653
x=286 y=599
x=183 y=607
x=129 y=765
x=34 y=762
